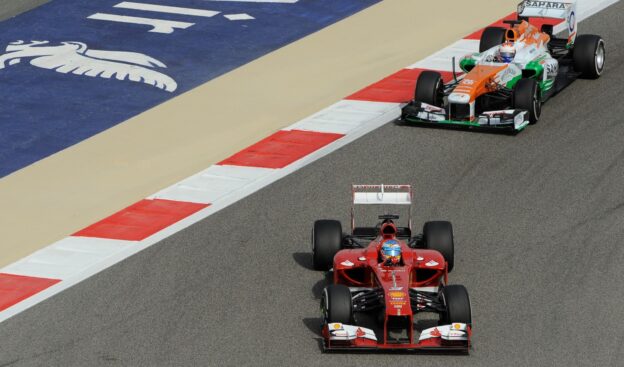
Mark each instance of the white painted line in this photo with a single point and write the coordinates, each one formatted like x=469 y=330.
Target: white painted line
x=586 y=9
x=441 y=60
x=66 y=258
x=258 y=1
x=212 y=184
x=346 y=116
x=158 y=25
x=167 y=9
x=242 y=16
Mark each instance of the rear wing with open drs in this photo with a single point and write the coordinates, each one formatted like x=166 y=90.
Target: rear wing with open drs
x=556 y=9
x=381 y=195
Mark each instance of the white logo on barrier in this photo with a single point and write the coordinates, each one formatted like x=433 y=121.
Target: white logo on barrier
x=76 y=58
x=169 y=26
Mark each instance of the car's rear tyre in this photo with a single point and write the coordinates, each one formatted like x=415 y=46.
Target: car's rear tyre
x=589 y=55
x=336 y=304
x=526 y=96
x=491 y=36
x=438 y=235
x=326 y=242
x=455 y=298
x=430 y=88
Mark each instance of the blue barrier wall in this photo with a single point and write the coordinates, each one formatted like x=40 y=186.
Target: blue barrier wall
x=58 y=93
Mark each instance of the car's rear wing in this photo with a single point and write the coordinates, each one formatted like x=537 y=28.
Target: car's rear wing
x=381 y=195
x=557 y=9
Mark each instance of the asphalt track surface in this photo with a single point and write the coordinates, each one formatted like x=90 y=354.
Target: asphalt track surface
x=538 y=224
x=12 y=8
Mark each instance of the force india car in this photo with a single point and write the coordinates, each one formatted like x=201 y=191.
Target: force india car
x=499 y=96
x=374 y=305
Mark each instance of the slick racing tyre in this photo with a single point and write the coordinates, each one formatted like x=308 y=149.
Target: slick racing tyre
x=336 y=304
x=491 y=36
x=429 y=88
x=589 y=55
x=326 y=242
x=438 y=235
x=526 y=96
x=457 y=302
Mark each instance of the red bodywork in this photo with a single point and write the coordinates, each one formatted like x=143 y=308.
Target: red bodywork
x=420 y=269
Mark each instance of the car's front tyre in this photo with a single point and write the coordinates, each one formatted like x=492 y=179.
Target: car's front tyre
x=430 y=88
x=336 y=304
x=526 y=96
x=455 y=298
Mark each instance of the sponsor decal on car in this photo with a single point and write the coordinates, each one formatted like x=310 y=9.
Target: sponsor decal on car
x=397 y=294
x=544 y=4
x=432 y=263
x=572 y=22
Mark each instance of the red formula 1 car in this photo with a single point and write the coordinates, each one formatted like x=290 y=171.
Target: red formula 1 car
x=390 y=289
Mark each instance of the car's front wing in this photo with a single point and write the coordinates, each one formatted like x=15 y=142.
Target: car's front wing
x=509 y=121
x=453 y=338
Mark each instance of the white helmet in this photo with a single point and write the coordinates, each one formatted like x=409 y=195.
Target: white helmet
x=507 y=52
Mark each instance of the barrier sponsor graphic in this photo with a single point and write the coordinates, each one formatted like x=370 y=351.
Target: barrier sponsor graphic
x=75 y=57
x=109 y=60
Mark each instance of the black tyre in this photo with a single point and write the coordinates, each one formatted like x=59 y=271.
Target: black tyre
x=589 y=56
x=491 y=36
x=457 y=302
x=429 y=88
x=336 y=304
x=438 y=235
x=526 y=96
x=326 y=242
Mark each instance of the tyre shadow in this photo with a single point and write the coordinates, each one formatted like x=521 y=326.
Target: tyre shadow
x=304 y=259
x=313 y=324
x=317 y=289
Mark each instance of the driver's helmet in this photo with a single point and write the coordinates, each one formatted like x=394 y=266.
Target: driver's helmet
x=391 y=252
x=507 y=52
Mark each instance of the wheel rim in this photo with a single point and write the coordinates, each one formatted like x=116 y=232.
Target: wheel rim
x=325 y=306
x=600 y=57
x=537 y=106
x=439 y=94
